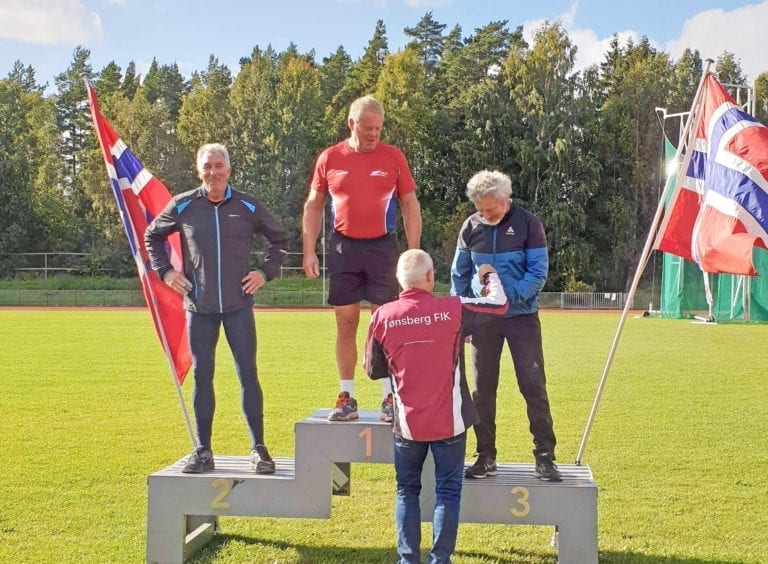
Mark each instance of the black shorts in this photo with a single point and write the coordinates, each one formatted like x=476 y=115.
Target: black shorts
x=362 y=269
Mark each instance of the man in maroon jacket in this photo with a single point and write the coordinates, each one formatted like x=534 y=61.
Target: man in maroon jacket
x=418 y=341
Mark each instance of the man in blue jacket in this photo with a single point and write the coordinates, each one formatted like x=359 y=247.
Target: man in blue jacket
x=216 y=224
x=512 y=240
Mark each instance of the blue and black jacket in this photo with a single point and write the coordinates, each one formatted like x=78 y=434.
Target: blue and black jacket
x=216 y=245
x=516 y=248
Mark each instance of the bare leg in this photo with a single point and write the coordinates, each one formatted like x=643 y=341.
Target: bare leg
x=347 y=321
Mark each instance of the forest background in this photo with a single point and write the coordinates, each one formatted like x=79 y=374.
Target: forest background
x=584 y=149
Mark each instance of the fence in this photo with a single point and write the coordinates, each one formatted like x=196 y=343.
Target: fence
x=270 y=298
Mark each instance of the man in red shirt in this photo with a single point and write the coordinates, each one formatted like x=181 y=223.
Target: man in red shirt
x=365 y=179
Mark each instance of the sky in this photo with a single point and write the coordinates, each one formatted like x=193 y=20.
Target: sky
x=44 y=33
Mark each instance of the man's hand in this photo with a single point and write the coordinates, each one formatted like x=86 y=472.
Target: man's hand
x=311 y=265
x=177 y=281
x=253 y=281
x=483 y=270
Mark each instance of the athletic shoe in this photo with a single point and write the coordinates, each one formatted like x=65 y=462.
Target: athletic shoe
x=345 y=410
x=387 y=409
x=546 y=469
x=484 y=466
x=261 y=462
x=201 y=460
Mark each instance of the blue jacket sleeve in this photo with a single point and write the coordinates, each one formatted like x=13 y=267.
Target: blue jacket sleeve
x=536 y=268
x=462 y=268
x=155 y=236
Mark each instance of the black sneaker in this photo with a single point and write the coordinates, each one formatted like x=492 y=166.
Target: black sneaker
x=201 y=460
x=387 y=409
x=546 y=469
x=345 y=410
x=261 y=462
x=484 y=466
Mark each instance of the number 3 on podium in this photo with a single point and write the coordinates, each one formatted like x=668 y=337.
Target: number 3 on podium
x=523 y=506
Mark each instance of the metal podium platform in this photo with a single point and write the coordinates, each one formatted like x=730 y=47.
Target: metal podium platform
x=183 y=509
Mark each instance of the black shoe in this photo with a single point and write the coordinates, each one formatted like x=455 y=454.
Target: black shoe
x=201 y=460
x=261 y=462
x=345 y=410
x=484 y=466
x=546 y=469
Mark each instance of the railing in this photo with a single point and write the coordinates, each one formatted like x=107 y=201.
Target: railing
x=271 y=298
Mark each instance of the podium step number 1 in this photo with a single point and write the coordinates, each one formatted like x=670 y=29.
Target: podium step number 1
x=183 y=509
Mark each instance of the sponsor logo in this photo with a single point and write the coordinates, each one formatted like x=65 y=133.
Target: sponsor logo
x=383 y=173
x=510 y=230
x=425 y=320
x=233 y=215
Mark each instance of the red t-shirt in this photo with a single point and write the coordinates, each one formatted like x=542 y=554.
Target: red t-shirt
x=364 y=188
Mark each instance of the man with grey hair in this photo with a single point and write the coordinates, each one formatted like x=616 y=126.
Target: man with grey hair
x=417 y=343
x=216 y=224
x=365 y=179
x=512 y=240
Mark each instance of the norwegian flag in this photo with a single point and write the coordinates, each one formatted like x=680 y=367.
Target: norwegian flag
x=140 y=196
x=718 y=211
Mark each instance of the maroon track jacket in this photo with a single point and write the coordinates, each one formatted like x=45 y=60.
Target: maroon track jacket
x=418 y=341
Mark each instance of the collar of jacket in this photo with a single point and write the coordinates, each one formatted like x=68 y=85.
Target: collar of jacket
x=202 y=194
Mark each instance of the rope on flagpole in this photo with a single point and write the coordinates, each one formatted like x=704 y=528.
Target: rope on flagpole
x=649 y=244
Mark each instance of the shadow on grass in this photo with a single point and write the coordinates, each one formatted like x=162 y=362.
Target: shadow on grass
x=306 y=554
x=630 y=557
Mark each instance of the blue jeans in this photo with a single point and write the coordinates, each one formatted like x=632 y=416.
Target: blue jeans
x=240 y=330
x=449 y=467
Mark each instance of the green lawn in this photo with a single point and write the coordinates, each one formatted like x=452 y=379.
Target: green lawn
x=678 y=448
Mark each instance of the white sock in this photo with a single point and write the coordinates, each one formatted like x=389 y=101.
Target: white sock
x=348 y=386
x=386 y=387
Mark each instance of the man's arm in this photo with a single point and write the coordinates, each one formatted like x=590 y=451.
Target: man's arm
x=154 y=240
x=462 y=267
x=310 y=230
x=411 y=211
x=375 y=359
x=477 y=311
x=536 y=265
x=277 y=243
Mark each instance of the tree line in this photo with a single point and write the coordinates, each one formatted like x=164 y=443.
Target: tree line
x=583 y=149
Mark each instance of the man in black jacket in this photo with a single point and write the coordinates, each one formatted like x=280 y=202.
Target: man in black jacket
x=216 y=224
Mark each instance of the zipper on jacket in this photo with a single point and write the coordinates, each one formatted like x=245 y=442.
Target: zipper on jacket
x=218 y=256
x=495 y=230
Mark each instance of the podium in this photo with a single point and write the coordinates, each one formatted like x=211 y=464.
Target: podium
x=183 y=509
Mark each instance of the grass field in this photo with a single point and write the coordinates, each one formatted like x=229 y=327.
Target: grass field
x=88 y=408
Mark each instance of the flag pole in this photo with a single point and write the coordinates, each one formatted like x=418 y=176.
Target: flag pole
x=130 y=232
x=690 y=129
x=169 y=358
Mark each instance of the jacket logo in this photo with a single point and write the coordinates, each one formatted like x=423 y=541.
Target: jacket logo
x=510 y=230
x=379 y=173
x=233 y=215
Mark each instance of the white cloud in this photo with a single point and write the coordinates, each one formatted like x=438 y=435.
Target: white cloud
x=590 y=49
x=741 y=31
x=49 y=22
